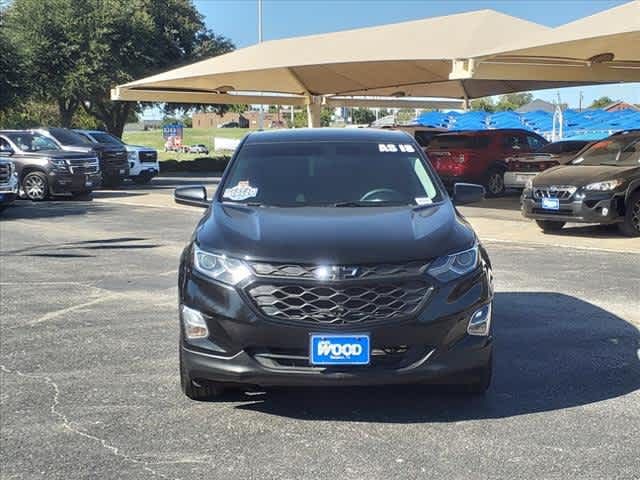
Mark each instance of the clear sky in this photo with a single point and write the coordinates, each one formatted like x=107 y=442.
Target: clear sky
x=237 y=20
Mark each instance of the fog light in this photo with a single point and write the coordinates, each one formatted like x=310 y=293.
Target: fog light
x=480 y=321
x=194 y=324
x=605 y=212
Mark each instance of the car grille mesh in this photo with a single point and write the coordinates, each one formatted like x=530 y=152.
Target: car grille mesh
x=560 y=192
x=360 y=272
x=84 y=165
x=148 y=156
x=340 y=304
x=5 y=172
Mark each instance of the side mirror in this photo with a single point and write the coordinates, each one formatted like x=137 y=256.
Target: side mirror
x=194 y=196
x=464 y=193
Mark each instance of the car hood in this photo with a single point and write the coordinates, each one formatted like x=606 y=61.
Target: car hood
x=138 y=148
x=579 y=175
x=336 y=235
x=59 y=154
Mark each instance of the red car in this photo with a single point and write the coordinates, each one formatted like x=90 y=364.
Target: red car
x=524 y=166
x=479 y=156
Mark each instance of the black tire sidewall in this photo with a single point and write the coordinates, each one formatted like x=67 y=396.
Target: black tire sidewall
x=627 y=227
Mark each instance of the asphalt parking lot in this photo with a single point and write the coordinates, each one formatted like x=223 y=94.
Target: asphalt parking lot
x=90 y=385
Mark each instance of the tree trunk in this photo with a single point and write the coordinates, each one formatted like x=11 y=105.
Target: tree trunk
x=113 y=115
x=67 y=108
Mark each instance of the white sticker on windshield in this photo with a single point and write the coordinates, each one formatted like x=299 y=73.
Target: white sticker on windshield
x=393 y=148
x=423 y=201
x=241 y=191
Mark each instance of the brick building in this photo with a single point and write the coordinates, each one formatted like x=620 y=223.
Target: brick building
x=248 y=119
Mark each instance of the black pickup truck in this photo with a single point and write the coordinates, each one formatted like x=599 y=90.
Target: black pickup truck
x=113 y=158
x=44 y=169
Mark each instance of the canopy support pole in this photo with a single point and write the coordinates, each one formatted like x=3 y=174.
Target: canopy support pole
x=314 y=107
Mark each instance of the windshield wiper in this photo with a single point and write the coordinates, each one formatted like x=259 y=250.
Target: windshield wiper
x=367 y=204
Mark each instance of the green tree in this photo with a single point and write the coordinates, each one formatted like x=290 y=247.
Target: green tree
x=513 y=101
x=362 y=116
x=78 y=49
x=601 y=102
x=14 y=76
x=485 y=104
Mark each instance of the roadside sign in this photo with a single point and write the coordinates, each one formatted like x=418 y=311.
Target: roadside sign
x=172 y=130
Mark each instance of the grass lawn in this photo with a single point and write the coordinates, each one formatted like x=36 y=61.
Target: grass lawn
x=153 y=138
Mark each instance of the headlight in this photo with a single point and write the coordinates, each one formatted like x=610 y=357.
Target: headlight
x=604 y=186
x=59 y=163
x=220 y=267
x=133 y=156
x=453 y=266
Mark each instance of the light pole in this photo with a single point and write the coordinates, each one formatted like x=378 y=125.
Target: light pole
x=261 y=111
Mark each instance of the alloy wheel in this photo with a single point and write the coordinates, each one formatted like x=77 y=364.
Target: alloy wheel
x=35 y=187
x=635 y=216
x=496 y=183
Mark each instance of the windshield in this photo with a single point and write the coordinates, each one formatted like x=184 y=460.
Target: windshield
x=453 y=142
x=104 y=137
x=562 y=147
x=329 y=174
x=32 y=142
x=69 y=137
x=615 y=151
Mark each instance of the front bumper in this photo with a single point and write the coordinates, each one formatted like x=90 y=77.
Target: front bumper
x=246 y=347
x=597 y=207
x=9 y=189
x=62 y=183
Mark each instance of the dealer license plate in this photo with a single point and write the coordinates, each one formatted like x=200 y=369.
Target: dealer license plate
x=339 y=349
x=551 y=204
x=122 y=171
x=522 y=179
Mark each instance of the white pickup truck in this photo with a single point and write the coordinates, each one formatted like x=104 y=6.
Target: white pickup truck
x=143 y=161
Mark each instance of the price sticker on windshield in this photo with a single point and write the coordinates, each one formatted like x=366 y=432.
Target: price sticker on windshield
x=241 y=191
x=395 y=148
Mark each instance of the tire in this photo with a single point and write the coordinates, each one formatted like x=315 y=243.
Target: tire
x=141 y=179
x=550 y=225
x=495 y=183
x=631 y=224
x=198 y=391
x=35 y=186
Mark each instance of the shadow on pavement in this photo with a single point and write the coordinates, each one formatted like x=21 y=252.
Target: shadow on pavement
x=76 y=248
x=26 y=209
x=552 y=351
x=589 y=231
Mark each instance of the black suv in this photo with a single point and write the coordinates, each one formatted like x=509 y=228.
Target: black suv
x=601 y=185
x=44 y=169
x=114 y=164
x=333 y=257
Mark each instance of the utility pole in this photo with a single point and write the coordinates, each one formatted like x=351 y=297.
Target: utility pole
x=580 y=101
x=261 y=112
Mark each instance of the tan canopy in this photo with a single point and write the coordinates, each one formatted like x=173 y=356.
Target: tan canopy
x=604 y=47
x=410 y=59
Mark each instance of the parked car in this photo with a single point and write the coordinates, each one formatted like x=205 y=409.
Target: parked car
x=8 y=178
x=302 y=273
x=522 y=167
x=114 y=166
x=199 y=148
x=479 y=155
x=229 y=125
x=423 y=135
x=601 y=185
x=143 y=161
x=44 y=169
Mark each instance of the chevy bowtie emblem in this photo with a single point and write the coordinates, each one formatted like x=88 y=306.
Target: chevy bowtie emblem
x=335 y=273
